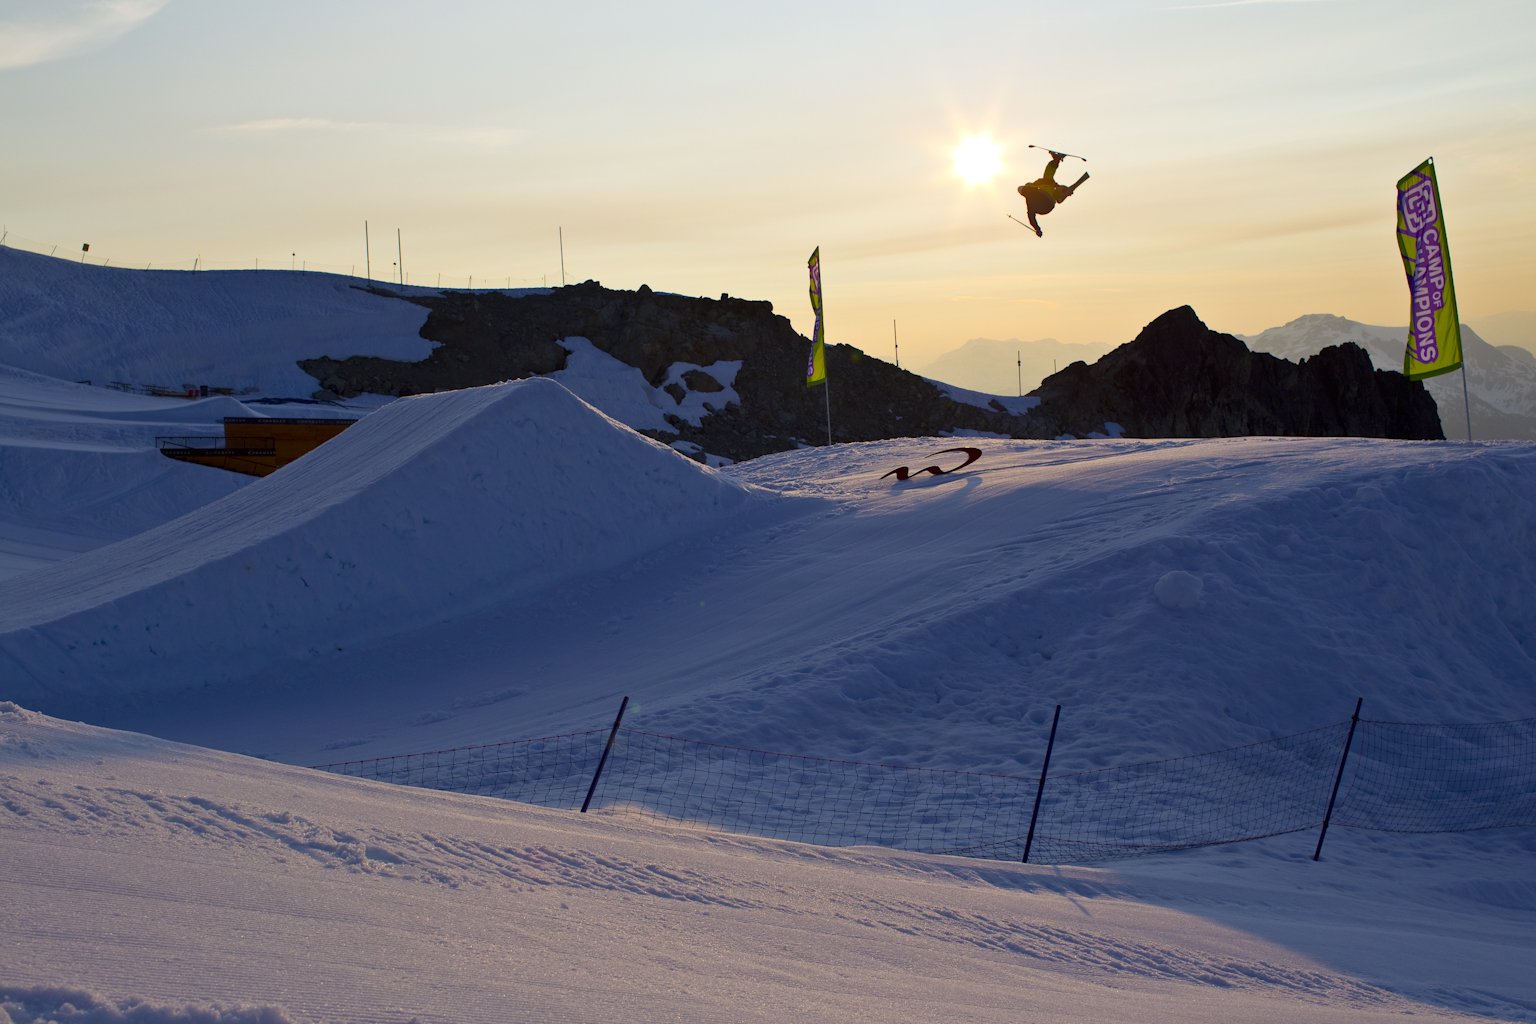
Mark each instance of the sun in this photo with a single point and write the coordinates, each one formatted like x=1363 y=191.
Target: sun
x=977 y=160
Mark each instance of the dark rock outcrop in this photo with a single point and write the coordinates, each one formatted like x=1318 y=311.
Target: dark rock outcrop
x=1181 y=379
x=1177 y=379
x=486 y=337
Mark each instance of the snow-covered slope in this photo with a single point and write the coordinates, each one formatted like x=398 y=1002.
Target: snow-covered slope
x=1501 y=381
x=152 y=883
x=243 y=330
x=426 y=509
x=508 y=561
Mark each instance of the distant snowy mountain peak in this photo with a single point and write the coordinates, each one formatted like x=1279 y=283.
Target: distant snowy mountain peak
x=1328 y=329
x=993 y=367
x=1501 y=381
x=1310 y=334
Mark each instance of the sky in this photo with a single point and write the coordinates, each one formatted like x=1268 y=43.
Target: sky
x=441 y=575
x=1243 y=154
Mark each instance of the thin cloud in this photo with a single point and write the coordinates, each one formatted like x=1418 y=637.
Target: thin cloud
x=465 y=135
x=1242 y=3
x=278 y=125
x=72 y=31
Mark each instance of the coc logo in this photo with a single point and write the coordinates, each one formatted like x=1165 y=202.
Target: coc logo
x=904 y=473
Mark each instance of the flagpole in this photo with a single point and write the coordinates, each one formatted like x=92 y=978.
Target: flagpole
x=1433 y=319
x=826 y=391
x=826 y=384
x=1466 y=402
x=815 y=374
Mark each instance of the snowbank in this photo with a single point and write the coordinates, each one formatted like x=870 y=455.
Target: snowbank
x=242 y=329
x=621 y=391
x=424 y=510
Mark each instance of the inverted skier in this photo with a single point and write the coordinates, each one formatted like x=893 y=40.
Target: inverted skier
x=1042 y=194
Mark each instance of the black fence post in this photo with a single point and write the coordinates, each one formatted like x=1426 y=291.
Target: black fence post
x=1029 y=840
x=1354 y=720
x=607 y=749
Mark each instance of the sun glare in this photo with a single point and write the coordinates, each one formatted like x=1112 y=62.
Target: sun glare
x=977 y=160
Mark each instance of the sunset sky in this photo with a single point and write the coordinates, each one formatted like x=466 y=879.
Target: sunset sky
x=1243 y=152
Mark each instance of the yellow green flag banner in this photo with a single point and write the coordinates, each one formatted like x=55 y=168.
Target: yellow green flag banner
x=1434 y=329
x=816 y=365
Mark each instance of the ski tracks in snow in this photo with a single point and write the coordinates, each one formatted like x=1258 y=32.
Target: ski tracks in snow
x=1043 y=926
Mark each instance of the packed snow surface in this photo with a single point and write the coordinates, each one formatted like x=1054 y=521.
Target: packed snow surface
x=509 y=561
x=175 y=883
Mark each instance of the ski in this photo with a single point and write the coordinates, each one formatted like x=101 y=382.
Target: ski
x=1048 y=149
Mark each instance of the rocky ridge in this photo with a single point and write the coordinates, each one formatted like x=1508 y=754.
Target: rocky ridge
x=1181 y=379
x=1500 y=379
x=1178 y=378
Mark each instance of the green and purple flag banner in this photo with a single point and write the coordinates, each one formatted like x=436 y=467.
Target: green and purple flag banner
x=816 y=365
x=1434 y=329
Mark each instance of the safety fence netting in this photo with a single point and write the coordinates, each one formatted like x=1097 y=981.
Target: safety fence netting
x=1224 y=796
x=551 y=771
x=825 y=801
x=1427 y=777
x=1399 y=777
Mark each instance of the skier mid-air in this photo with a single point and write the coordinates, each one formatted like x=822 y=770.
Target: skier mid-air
x=1042 y=194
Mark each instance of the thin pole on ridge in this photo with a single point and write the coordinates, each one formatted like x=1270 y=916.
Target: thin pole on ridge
x=607 y=749
x=1354 y=720
x=1050 y=744
x=826 y=393
x=367 y=253
x=1466 y=403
